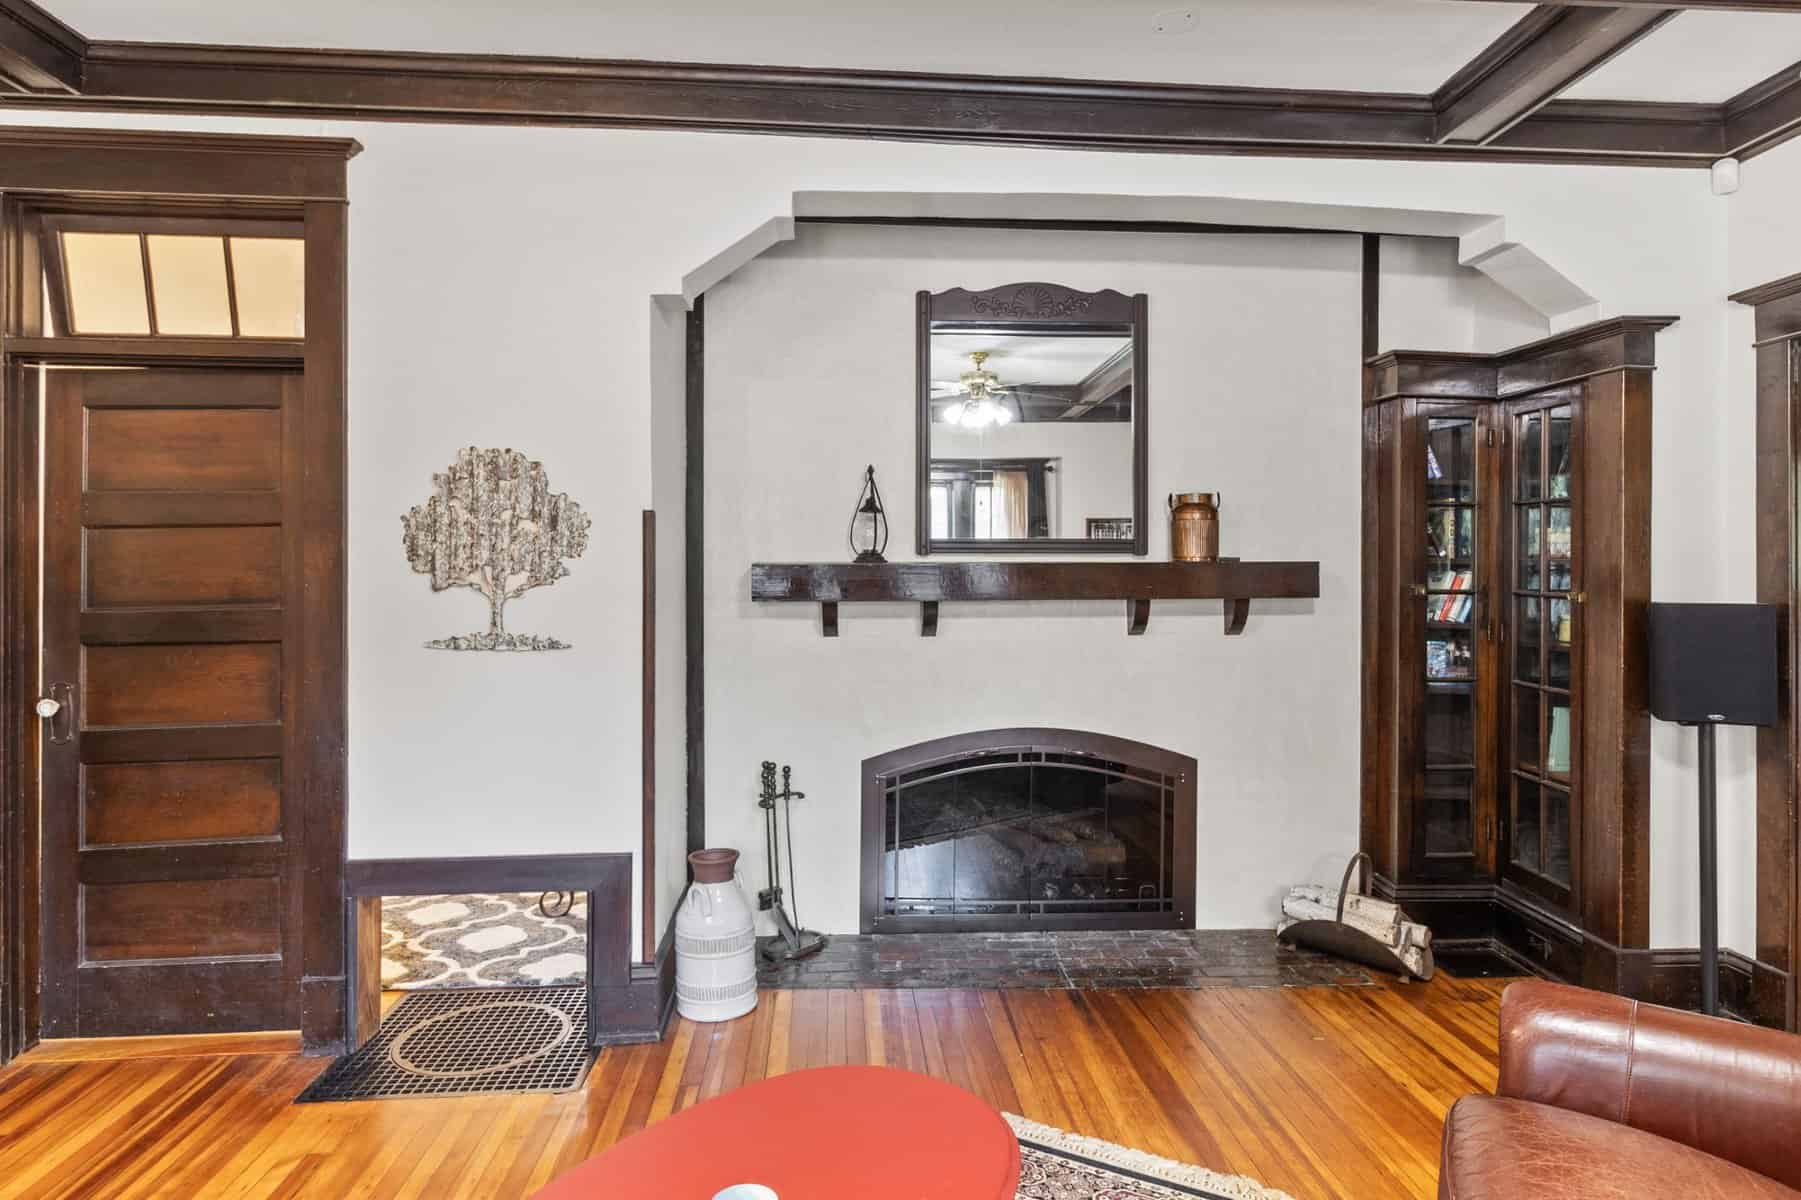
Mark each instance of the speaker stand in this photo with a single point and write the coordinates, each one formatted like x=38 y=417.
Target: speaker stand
x=1710 y=872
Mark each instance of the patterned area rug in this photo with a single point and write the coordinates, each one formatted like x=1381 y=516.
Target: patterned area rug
x=481 y=941
x=1055 y=1165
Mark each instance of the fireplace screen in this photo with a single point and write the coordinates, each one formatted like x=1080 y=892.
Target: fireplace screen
x=1033 y=837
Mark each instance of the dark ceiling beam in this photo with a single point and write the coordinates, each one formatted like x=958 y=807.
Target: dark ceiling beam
x=1545 y=52
x=38 y=53
x=1764 y=115
x=1061 y=113
x=1782 y=6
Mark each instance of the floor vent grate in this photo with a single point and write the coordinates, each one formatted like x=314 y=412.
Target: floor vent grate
x=454 y=1042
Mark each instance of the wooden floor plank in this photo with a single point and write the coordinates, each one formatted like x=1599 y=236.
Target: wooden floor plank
x=1325 y=1093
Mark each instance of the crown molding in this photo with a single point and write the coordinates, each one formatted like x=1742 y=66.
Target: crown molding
x=38 y=53
x=1496 y=109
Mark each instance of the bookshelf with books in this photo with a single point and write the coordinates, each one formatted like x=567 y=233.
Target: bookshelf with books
x=1506 y=570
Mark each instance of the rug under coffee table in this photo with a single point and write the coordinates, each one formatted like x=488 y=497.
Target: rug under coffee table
x=1055 y=1165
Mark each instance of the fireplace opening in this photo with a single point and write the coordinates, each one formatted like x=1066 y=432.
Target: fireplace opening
x=1022 y=829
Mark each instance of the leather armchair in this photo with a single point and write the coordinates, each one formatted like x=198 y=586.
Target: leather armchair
x=1605 y=1097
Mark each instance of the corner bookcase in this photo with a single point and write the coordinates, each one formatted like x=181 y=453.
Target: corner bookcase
x=1506 y=571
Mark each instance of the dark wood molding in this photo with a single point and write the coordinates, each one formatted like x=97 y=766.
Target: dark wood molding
x=1137 y=583
x=1497 y=108
x=38 y=53
x=1764 y=115
x=81 y=162
x=480 y=873
x=324 y=693
x=695 y=571
x=1782 y=6
x=616 y=996
x=1372 y=294
x=1063 y=113
x=1549 y=49
x=1777 y=324
x=647 y=701
x=1539 y=941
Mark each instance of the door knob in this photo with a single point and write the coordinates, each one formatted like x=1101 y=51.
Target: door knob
x=58 y=708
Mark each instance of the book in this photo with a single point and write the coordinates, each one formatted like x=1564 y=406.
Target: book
x=1557 y=754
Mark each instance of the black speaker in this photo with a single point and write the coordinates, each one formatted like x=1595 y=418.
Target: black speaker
x=1714 y=664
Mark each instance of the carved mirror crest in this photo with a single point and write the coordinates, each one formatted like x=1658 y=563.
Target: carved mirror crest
x=1032 y=428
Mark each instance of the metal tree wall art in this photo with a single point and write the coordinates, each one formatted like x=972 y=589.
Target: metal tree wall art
x=494 y=526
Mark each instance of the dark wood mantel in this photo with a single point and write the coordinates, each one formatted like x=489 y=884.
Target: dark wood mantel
x=1137 y=583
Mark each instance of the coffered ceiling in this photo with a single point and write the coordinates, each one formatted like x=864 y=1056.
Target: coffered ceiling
x=1675 y=84
x=1350 y=45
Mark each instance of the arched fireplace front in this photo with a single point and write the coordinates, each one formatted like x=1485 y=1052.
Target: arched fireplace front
x=1028 y=829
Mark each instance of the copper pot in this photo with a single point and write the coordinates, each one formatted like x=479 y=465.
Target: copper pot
x=1194 y=526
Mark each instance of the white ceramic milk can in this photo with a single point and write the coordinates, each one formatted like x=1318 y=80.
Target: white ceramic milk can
x=715 y=942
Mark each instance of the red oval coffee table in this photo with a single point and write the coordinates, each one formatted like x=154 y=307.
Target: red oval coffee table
x=832 y=1133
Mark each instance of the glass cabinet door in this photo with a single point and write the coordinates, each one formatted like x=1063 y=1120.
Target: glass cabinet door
x=1541 y=730
x=1449 y=593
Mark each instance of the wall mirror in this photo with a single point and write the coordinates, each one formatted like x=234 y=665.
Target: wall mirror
x=1032 y=428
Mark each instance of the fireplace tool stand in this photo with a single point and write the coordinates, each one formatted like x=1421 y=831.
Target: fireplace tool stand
x=790 y=942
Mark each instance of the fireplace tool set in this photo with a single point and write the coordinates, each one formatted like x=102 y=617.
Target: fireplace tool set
x=791 y=941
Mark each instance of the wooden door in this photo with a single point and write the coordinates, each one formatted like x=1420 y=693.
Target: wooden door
x=172 y=856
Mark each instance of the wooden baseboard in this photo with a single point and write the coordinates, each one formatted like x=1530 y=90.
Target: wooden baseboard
x=1541 y=942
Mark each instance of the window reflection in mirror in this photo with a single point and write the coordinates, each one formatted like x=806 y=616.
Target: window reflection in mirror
x=1031 y=435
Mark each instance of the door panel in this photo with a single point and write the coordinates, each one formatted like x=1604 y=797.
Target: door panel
x=144 y=804
x=172 y=846
x=204 y=565
x=183 y=450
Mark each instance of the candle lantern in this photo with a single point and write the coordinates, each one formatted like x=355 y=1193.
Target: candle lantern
x=869 y=524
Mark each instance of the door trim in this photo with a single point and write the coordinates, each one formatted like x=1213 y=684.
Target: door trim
x=299 y=179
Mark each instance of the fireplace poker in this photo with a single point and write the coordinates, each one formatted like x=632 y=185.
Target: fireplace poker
x=791 y=941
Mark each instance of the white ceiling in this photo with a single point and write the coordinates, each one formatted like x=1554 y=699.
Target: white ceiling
x=1699 y=56
x=1353 y=45
x=1023 y=360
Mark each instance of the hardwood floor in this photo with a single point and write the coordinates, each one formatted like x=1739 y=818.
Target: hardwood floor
x=1323 y=1092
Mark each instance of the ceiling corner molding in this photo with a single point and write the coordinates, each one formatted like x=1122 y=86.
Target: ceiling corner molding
x=38 y=53
x=1524 y=69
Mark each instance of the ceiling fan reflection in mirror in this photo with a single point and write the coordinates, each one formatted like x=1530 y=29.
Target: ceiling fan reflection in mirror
x=979 y=398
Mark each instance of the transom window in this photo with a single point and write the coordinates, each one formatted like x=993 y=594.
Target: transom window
x=174 y=277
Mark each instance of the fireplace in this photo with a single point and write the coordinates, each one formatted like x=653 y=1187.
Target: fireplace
x=1026 y=829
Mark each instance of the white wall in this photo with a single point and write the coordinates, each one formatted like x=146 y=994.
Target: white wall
x=499 y=279
x=1253 y=390
x=1763 y=244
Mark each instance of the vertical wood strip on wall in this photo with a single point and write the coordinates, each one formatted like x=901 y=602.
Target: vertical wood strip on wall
x=647 y=853
x=1777 y=324
x=325 y=685
x=1614 y=884
x=1372 y=294
x=694 y=549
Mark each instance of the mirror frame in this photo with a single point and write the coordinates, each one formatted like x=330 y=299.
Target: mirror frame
x=1034 y=308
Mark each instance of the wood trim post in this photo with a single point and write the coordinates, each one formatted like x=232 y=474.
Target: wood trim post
x=1777 y=324
x=325 y=686
x=647 y=853
x=694 y=548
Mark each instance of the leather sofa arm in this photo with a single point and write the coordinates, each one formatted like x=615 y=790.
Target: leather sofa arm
x=1730 y=1090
